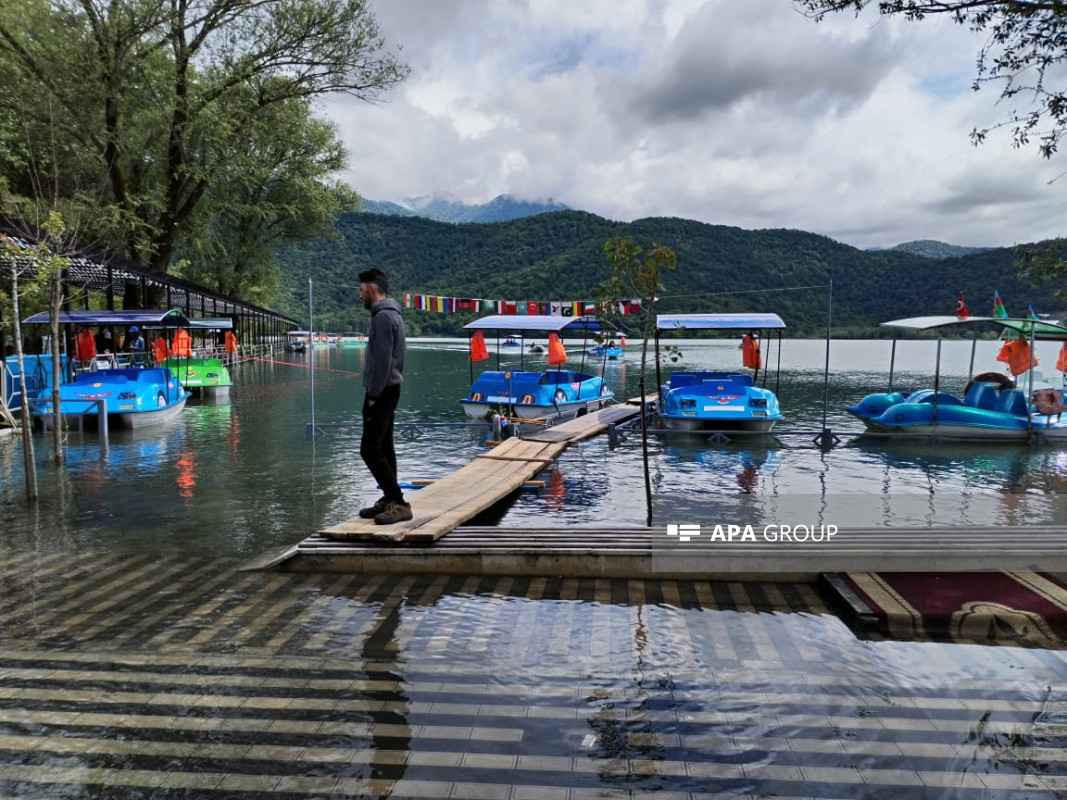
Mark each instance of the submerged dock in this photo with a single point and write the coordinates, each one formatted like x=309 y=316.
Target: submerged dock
x=651 y=553
x=493 y=475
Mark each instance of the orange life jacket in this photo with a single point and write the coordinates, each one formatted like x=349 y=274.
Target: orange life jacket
x=1061 y=362
x=750 y=355
x=159 y=349
x=1020 y=357
x=231 y=342
x=85 y=347
x=479 y=352
x=556 y=353
x=183 y=344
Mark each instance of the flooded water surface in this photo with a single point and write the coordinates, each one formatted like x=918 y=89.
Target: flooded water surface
x=138 y=658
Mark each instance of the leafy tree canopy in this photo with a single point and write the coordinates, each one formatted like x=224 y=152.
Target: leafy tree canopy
x=1024 y=53
x=185 y=123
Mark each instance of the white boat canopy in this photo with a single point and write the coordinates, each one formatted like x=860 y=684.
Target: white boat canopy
x=670 y=322
x=159 y=318
x=534 y=322
x=1040 y=328
x=926 y=323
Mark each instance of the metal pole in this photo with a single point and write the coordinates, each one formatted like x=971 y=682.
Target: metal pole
x=826 y=369
x=892 y=363
x=311 y=354
x=937 y=375
x=101 y=424
x=974 y=346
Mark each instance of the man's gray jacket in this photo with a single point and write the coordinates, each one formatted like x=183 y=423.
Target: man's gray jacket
x=386 y=345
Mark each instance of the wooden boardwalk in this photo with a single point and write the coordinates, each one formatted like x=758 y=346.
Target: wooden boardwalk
x=449 y=502
x=649 y=553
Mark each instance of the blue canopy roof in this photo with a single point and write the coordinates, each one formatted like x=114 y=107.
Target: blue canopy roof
x=535 y=322
x=157 y=317
x=670 y=322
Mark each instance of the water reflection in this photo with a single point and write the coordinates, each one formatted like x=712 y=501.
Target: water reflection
x=390 y=730
x=245 y=477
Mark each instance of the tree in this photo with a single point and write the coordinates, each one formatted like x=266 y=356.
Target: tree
x=1023 y=54
x=275 y=187
x=635 y=276
x=155 y=95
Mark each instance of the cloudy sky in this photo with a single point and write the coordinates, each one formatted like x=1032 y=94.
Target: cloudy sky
x=733 y=112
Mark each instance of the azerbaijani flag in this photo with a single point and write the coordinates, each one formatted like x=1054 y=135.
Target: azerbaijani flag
x=998 y=306
x=1030 y=313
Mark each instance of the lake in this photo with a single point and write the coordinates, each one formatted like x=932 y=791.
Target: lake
x=242 y=478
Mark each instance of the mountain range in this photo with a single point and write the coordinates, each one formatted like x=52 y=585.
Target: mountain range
x=446 y=207
x=559 y=255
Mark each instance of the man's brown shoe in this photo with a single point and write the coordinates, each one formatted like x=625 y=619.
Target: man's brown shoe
x=394 y=512
x=370 y=512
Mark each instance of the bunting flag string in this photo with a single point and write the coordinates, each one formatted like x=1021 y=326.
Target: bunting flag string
x=561 y=308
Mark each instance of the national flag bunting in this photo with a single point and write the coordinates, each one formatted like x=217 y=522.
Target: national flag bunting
x=559 y=308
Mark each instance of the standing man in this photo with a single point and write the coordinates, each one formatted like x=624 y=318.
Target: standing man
x=382 y=376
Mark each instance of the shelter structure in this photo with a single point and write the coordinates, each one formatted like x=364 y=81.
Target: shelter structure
x=124 y=285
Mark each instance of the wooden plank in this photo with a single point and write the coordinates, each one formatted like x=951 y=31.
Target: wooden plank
x=452 y=500
x=477 y=485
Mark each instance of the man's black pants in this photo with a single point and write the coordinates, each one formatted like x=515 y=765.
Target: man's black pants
x=376 y=446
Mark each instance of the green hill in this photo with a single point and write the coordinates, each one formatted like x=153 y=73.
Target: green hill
x=559 y=256
x=935 y=249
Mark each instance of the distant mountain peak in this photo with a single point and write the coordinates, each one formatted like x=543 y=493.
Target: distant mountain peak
x=931 y=248
x=446 y=207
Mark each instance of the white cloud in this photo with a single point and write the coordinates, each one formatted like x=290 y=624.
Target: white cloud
x=737 y=112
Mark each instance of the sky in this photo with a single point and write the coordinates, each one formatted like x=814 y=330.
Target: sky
x=730 y=112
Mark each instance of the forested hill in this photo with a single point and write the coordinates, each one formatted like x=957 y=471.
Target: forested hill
x=560 y=256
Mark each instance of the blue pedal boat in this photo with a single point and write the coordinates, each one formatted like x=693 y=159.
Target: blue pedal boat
x=553 y=394
x=721 y=400
x=991 y=408
x=133 y=396
x=612 y=352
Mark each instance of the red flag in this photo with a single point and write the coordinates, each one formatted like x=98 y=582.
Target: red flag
x=479 y=352
x=961 y=307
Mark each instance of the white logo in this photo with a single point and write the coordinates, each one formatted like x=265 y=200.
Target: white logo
x=683 y=532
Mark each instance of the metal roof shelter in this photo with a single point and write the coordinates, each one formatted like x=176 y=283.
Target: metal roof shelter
x=126 y=284
x=159 y=318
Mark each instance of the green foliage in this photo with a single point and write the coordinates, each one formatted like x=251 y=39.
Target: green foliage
x=560 y=256
x=275 y=186
x=155 y=112
x=1044 y=264
x=934 y=249
x=1024 y=53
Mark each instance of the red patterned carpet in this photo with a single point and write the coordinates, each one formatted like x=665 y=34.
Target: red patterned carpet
x=1022 y=608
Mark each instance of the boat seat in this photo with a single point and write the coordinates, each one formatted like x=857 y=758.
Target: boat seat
x=982 y=395
x=927 y=396
x=680 y=379
x=1012 y=401
x=741 y=380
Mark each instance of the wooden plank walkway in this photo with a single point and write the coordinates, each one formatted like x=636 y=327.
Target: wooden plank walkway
x=623 y=552
x=449 y=502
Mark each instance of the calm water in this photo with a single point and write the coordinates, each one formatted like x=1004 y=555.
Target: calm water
x=246 y=477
